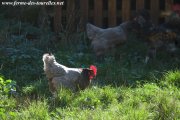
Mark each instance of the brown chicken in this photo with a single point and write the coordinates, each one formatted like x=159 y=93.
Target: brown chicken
x=61 y=76
x=160 y=37
x=161 y=40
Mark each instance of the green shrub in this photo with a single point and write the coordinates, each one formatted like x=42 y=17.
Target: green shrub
x=6 y=86
x=7 y=103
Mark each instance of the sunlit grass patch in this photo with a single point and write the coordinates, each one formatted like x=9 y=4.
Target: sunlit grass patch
x=37 y=110
x=172 y=78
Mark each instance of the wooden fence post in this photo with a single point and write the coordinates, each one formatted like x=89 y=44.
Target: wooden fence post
x=112 y=14
x=84 y=12
x=125 y=10
x=98 y=12
x=98 y=7
x=139 y=4
x=70 y=15
x=154 y=11
x=168 y=5
x=57 y=17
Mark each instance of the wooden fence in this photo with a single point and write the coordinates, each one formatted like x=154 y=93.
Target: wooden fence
x=106 y=13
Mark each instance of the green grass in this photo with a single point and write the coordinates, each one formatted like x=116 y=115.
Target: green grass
x=125 y=87
x=36 y=110
x=122 y=90
x=145 y=101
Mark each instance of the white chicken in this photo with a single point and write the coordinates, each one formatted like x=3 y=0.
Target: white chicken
x=62 y=76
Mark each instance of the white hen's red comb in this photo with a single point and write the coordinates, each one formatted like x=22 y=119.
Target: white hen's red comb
x=94 y=68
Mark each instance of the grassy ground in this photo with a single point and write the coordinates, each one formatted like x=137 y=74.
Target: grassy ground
x=147 y=101
x=125 y=87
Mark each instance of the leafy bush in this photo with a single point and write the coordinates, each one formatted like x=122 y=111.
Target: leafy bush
x=23 y=64
x=7 y=105
x=21 y=51
x=6 y=86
